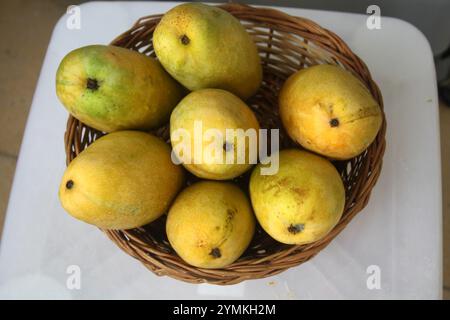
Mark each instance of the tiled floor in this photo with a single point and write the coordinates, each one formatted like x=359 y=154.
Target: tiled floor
x=25 y=28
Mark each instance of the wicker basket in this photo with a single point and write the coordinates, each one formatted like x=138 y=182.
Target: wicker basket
x=286 y=44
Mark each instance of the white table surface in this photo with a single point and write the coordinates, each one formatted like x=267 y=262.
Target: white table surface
x=399 y=231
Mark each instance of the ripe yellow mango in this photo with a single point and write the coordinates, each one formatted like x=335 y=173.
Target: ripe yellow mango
x=123 y=180
x=302 y=202
x=210 y=224
x=329 y=111
x=218 y=110
x=206 y=47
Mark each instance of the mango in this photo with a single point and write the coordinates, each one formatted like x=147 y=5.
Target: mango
x=214 y=109
x=111 y=88
x=123 y=180
x=210 y=224
x=328 y=110
x=206 y=47
x=302 y=202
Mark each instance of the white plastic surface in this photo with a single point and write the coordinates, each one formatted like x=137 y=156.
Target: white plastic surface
x=399 y=231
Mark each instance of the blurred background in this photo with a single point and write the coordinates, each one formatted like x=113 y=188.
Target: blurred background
x=26 y=27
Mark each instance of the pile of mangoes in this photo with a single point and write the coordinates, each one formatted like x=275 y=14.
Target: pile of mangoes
x=207 y=67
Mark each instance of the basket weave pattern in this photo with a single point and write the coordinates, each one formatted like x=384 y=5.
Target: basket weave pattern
x=286 y=44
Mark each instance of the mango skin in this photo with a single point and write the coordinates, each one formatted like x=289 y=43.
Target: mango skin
x=134 y=91
x=210 y=224
x=329 y=111
x=206 y=47
x=216 y=109
x=302 y=202
x=123 y=180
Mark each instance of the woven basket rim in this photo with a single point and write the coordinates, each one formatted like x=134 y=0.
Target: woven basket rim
x=154 y=254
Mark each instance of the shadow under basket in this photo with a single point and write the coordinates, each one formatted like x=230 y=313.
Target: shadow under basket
x=286 y=44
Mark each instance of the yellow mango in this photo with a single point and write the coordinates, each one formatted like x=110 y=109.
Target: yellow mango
x=206 y=47
x=302 y=202
x=210 y=224
x=111 y=88
x=123 y=180
x=329 y=111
